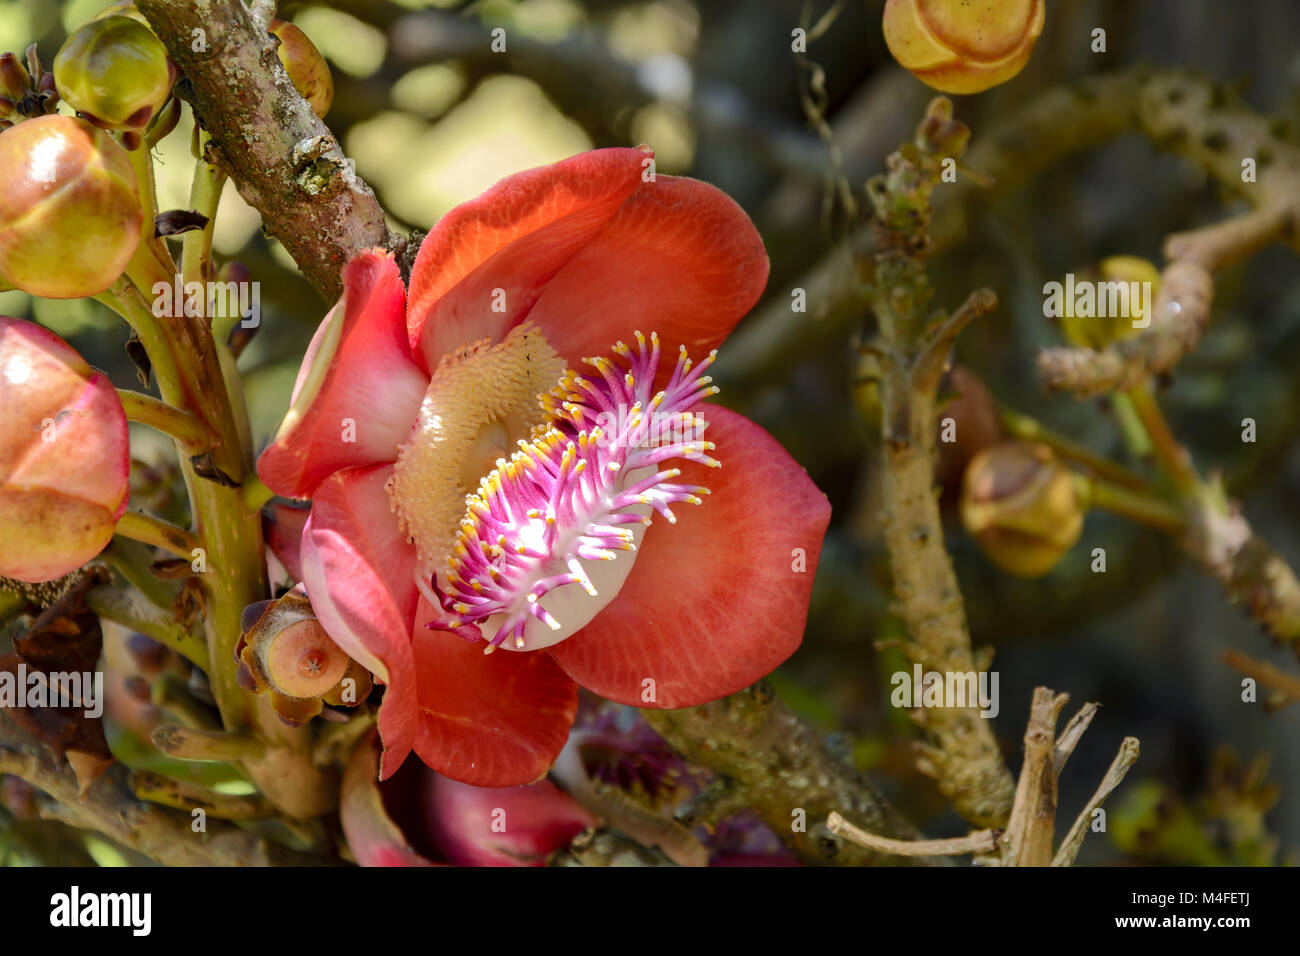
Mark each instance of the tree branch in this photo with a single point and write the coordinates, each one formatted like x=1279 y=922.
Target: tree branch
x=284 y=160
x=782 y=767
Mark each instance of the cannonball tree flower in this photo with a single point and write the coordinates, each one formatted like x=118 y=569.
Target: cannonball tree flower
x=64 y=455
x=429 y=542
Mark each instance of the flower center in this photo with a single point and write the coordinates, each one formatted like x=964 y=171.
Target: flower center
x=570 y=500
x=481 y=400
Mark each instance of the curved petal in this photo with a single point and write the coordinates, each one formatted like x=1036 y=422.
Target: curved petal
x=491 y=720
x=358 y=391
x=680 y=258
x=359 y=571
x=373 y=837
x=717 y=600
x=513 y=238
x=501 y=826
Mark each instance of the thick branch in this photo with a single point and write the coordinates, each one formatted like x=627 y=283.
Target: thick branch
x=110 y=808
x=782 y=767
x=284 y=160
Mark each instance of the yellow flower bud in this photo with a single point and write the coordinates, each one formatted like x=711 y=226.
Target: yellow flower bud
x=115 y=72
x=70 y=214
x=963 y=46
x=1119 y=292
x=1023 y=507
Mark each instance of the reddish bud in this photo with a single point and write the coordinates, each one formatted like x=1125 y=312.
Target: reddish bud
x=305 y=66
x=64 y=455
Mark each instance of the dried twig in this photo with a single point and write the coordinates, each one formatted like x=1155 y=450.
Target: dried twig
x=1069 y=849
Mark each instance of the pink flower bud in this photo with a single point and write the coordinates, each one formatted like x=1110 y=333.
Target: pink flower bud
x=64 y=455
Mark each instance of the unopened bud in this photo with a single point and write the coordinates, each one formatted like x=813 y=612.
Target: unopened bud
x=1023 y=507
x=115 y=72
x=64 y=456
x=70 y=214
x=966 y=46
x=305 y=65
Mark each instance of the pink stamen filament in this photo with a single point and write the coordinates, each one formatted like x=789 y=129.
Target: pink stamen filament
x=563 y=496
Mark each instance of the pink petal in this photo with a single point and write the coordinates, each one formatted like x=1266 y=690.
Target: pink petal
x=358 y=391
x=680 y=258
x=501 y=826
x=491 y=720
x=514 y=238
x=373 y=837
x=359 y=570
x=713 y=602
x=283 y=525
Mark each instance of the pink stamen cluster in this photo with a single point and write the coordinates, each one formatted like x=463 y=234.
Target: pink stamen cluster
x=564 y=496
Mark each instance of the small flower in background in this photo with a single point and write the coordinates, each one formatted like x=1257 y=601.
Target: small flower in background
x=406 y=405
x=64 y=455
x=963 y=46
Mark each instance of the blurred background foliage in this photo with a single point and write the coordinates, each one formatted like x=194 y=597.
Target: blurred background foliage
x=432 y=117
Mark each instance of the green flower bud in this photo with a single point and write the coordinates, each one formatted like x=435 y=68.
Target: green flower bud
x=115 y=72
x=70 y=214
x=1023 y=507
x=1128 y=283
x=123 y=8
x=305 y=66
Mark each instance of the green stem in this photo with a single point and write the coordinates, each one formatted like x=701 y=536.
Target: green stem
x=131 y=560
x=181 y=425
x=255 y=494
x=1173 y=458
x=139 y=526
x=126 y=608
x=1027 y=428
x=205 y=197
x=1136 y=506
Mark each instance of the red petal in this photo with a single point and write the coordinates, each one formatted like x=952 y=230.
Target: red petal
x=359 y=570
x=358 y=369
x=491 y=720
x=514 y=237
x=713 y=602
x=501 y=826
x=680 y=258
x=373 y=837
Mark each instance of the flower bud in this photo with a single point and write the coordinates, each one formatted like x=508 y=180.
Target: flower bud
x=285 y=650
x=64 y=455
x=115 y=72
x=70 y=214
x=122 y=8
x=305 y=66
x=501 y=826
x=1023 y=506
x=962 y=46
x=15 y=82
x=1108 y=300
